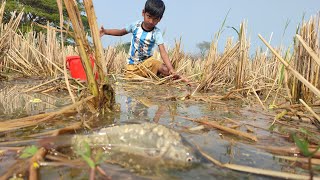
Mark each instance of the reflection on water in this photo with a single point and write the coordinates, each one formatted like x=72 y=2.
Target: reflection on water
x=14 y=102
x=144 y=109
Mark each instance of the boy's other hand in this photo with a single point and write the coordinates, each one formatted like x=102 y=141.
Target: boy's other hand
x=184 y=79
x=176 y=76
x=101 y=31
x=172 y=72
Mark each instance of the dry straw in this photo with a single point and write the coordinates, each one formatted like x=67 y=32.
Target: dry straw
x=303 y=61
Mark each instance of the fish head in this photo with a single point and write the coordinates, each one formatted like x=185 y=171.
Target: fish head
x=183 y=154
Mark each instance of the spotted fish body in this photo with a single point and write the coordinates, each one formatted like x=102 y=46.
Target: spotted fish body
x=147 y=141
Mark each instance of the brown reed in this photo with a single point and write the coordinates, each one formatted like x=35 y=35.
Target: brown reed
x=3 y=5
x=243 y=59
x=216 y=75
x=303 y=62
x=177 y=54
x=7 y=32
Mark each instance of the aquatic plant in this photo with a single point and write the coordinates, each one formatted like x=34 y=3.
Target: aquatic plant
x=303 y=145
x=93 y=162
x=28 y=152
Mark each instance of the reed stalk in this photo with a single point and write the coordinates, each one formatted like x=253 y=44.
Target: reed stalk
x=7 y=32
x=243 y=60
x=96 y=39
x=309 y=49
x=3 y=5
x=214 y=124
x=306 y=62
x=110 y=58
x=177 y=54
x=82 y=44
x=33 y=169
x=289 y=68
x=60 y=7
x=315 y=121
x=213 y=77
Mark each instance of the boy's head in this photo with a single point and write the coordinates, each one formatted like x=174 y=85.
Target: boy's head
x=155 y=8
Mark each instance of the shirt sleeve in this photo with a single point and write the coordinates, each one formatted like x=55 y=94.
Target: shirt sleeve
x=130 y=27
x=159 y=38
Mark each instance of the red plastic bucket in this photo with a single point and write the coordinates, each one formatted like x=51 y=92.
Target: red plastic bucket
x=76 y=69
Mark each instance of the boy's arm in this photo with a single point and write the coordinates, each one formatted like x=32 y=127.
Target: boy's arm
x=165 y=58
x=113 y=32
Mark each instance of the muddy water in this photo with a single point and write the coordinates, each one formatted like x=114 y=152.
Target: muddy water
x=167 y=105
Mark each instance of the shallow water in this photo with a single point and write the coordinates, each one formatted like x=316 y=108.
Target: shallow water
x=149 y=103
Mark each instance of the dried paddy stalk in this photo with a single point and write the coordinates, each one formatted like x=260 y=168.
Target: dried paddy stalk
x=252 y=170
x=60 y=7
x=304 y=63
x=231 y=68
x=196 y=66
x=115 y=60
x=120 y=62
x=243 y=60
x=216 y=75
x=293 y=71
x=100 y=63
x=82 y=44
x=315 y=121
x=36 y=54
x=3 y=4
x=214 y=124
x=270 y=173
x=7 y=33
x=51 y=43
x=229 y=43
x=210 y=59
x=111 y=54
x=177 y=54
x=36 y=158
x=21 y=63
x=310 y=51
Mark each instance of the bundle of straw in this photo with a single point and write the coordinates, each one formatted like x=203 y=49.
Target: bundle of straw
x=304 y=63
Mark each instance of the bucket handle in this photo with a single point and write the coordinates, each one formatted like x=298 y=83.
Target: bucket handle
x=68 y=64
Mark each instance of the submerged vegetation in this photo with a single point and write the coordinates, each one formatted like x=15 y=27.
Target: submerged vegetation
x=283 y=82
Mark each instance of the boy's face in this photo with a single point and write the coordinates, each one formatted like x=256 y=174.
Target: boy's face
x=149 y=21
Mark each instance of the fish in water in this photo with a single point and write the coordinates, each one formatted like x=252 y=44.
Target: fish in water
x=145 y=145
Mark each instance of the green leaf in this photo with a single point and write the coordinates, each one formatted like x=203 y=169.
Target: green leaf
x=304 y=131
x=85 y=152
x=303 y=146
x=28 y=152
x=272 y=127
x=87 y=149
x=88 y=160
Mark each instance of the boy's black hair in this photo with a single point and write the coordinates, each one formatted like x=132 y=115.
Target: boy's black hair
x=155 y=8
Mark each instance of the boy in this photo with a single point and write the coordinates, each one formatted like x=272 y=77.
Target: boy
x=145 y=36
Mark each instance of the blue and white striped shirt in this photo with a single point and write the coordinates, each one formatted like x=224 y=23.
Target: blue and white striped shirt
x=143 y=42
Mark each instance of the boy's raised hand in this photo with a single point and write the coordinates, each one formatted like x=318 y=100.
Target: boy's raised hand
x=101 y=31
